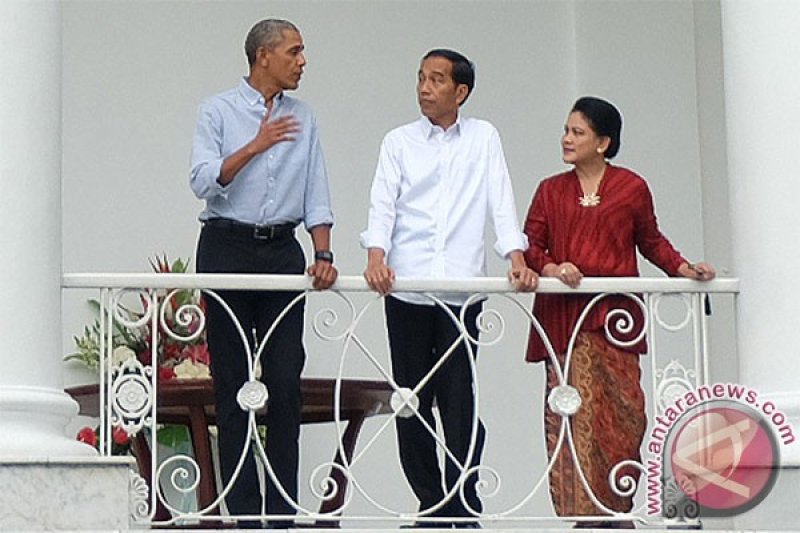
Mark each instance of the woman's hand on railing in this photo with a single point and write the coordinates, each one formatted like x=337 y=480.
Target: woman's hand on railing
x=567 y=272
x=698 y=271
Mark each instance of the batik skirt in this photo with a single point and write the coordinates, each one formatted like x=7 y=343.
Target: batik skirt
x=607 y=429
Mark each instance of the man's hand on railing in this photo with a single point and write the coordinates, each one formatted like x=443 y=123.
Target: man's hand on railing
x=521 y=277
x=379 y=276
x=324 y=274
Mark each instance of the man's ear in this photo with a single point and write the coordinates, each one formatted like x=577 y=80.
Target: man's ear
x=262 y=56
x=461 y=93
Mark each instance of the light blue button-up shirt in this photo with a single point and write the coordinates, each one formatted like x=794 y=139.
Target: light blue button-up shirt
x=287 y=183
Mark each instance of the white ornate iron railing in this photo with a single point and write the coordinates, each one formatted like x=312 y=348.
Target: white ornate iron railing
x=130 y=395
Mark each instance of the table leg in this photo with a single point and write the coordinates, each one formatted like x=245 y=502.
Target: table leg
x=348 y=444
x=206 y=490
x=144 y=461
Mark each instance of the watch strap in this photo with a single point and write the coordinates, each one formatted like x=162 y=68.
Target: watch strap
x=323 y=255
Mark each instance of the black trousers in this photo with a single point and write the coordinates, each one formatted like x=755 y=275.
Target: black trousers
x=222 y=251
x=419 y=335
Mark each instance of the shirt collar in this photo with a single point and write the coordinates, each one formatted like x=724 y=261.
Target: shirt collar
x=429 y=129
x=253 y=97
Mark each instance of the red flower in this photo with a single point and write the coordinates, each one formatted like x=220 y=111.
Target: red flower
x=87 y=435
x=198 y=353
x=172 y=351
x=119 y=436
x=145 y=356
x=165 y=374
x=194 y=325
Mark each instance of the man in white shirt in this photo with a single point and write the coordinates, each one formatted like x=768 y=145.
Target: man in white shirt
x=438 y=181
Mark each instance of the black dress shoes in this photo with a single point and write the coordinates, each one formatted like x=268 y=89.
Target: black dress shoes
x=280 y=524
x=249 y=524
x=605 y=524
x=442 y=525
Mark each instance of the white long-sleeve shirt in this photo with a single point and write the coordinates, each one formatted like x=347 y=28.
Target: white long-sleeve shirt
x=432 y=195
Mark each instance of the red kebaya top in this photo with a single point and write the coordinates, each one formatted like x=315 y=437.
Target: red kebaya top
x=599 y=240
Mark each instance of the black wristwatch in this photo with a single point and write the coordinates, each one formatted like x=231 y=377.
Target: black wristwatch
x=323 y=255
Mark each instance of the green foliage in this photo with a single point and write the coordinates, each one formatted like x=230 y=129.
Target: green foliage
x=88 y=345
x=172 y=436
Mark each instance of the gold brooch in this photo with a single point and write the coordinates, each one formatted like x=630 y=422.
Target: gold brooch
x=589 y=200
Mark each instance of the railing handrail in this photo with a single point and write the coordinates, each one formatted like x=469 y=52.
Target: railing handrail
x=353 y=339
x=489 y=285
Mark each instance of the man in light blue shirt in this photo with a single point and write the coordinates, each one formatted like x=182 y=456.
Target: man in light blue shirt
x=257 y=163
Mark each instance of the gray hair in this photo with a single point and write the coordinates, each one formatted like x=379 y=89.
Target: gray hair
x=267 y=33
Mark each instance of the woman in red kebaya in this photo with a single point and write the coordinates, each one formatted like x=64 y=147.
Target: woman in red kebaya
x=590 y=221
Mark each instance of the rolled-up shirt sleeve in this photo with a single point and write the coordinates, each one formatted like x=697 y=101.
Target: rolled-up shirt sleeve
x=206 y=162
x=317 y=201
x=383 y=201
x=501 y=202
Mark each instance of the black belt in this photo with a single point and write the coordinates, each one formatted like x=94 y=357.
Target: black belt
x=255 y=231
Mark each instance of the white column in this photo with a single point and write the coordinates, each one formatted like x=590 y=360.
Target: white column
x=761 y=47
x=33 y=406
x=49 y=481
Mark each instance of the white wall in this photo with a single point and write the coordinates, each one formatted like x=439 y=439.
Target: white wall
x=714 y=171
x=134 y=73
x=661 y=63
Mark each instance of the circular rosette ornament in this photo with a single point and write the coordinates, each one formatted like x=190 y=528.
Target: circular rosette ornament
x=252 y=396
x=564 y=400
x=404 y=402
